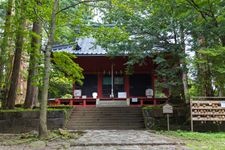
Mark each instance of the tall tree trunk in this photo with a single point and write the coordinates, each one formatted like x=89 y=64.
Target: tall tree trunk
x=177 y=94
x=204 y=71
x=35 y=48
x=17 y=58
x=184 y=67
x=222 y=38
x=221 y=89
x=43 y=132
x=208 y=79
x=4 y=51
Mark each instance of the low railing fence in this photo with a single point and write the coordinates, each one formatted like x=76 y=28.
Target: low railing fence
x=134 y=101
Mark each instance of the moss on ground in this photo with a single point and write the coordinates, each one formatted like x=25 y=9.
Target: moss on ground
x=26 y=138
x=21 y=109
x=152 y=107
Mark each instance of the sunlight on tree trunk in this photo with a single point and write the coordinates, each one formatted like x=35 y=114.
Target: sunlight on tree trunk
x=43 y=132
x=17 y=59
x=4 y=51
x=184 y=66
x=35 y=50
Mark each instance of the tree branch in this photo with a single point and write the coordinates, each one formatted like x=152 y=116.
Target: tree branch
x=75 y=4
x=193 y=4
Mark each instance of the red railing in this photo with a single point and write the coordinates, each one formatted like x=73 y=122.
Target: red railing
x=92 y=101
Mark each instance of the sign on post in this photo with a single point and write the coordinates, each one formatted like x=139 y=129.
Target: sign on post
x=168 y=109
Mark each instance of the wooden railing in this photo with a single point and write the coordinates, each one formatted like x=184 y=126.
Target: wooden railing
x=92 y=101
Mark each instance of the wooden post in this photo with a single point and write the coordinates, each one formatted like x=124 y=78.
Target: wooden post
x=168 y=109
x=168 y=122
x=71 y=102
x=73 y=89
x=142 y=102
x=127 y=85
x=58 y=102
x=100 y=78
x=153 y=82
x=84 y=103
x=192 y=125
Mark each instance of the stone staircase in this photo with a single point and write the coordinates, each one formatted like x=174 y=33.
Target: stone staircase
x=96 y=118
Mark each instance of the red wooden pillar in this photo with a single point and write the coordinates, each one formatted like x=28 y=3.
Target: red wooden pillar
x=142 y=102
x=100 y=79
x=58 y=102
x=153 y=82
x=84 y=103
x=127 y=85
x=71 y=102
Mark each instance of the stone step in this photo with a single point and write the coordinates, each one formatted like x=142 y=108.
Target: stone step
x=105 y=115
x=105 y=127
x=102 y=117
x=106 y=118
x=109 y=109
x=107 y=121
x=139 y=123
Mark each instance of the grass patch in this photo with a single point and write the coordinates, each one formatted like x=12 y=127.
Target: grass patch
x=18 y=110
x=26 y=138
x=21 y=109
x=153 y=107
x=199 y=141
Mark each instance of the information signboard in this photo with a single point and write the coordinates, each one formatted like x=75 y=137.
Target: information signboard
x=167 y=109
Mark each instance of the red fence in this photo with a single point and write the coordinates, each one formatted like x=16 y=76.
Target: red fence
x=141 y=101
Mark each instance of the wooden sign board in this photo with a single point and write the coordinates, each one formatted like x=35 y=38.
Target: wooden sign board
x=207 y=111
x=167 y=109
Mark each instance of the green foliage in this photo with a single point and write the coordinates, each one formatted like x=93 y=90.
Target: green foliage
x=31 y=138
x=153 y=107
x=154 y=32
x=67 y=96
x=216 y=59
x=59 y=85
x=21 y=109
x=64 y=62
x=138 y=28
x=64 y=74
x=195 y=140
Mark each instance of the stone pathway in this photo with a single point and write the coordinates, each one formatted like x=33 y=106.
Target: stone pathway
x=108 y=140
x=125 y=140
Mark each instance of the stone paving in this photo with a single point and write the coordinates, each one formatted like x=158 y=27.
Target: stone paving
x=125 y=140
x=108 y=140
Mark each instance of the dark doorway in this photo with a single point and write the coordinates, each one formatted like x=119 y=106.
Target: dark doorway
x=139 y=83
x=90 y=85
x=118 y=85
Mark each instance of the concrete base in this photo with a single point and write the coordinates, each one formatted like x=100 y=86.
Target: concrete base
x=112 y=103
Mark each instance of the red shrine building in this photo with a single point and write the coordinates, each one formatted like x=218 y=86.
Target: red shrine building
x=106 y=82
